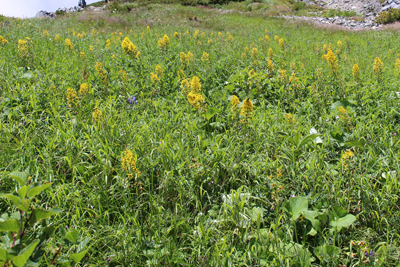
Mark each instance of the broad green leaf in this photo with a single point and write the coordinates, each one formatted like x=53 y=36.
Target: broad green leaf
x=305 y=257
x=83 y=244
x=326 y=251
x=22 y=191
x=338 y=212
x=345 y=221
x=310 y=215
x=25 y=204
x=40 y=214
x=13 y=198
x=211 y=111
x=72 y=236
x=19 y=177
x=296 y=205
x=78 y=256
x=312 y=232
x=36 y=190
x=9 y=226
x=3 y=255
x=339 y=136
x=24 y=255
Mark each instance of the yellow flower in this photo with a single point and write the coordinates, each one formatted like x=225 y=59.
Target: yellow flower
x=68 y=44
x=148 y=28
x=356 y=72
x=159 y=70
x=97 y=115
x=195 y=99
x=325 y=48
x=283 y=76
x=122 y=75
x=270 y=65
x=185 y=85
x=235 y=103
x=347 y=155
x=247 y=109
x=331 y=59
x=129 y=48
x=72 y=97
x=128 y=162
x=82 y=55
x=205 y=57
x=254 y=53
x=186 y=58
x=266 y=37
x=290 y=118
x=281 y=43
x=57 y=38
x=277 y=38
x=91 y=48
x=196 y=33
x=83 y=90
x=108 y=43
x=154 y=78
x=378 y=67
x=397 y=64
x=195 y=84
x=176 y=35
x=164 y=42
x=45 y=34
x=340 y=45
x=270 y=53
x=3 y=40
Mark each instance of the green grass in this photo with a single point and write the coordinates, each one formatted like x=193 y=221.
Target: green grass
x=213 y=190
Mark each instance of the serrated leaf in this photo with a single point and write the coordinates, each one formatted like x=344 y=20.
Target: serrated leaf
x=78 y=256
x=19 y=177
x=9 y=226
x=72 y=236
x=24 y=255
x=36 y=190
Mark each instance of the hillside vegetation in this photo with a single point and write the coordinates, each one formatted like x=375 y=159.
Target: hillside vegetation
x=188 y=136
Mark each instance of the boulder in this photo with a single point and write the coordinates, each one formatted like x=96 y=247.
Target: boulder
x=45 y=14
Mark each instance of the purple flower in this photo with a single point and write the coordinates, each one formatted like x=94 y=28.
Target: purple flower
x=208 y=183
x=6 y=23
x=337 y=117
x=293 y=195
x=394 y=134
x=66 y=33
x=132 y=100
x=327 y=120
x=297 y=26
x=212 y=182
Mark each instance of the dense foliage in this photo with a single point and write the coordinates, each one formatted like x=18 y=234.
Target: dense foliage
x=183 y=136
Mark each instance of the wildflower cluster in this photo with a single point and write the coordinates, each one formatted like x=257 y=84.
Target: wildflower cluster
x=378 y=68
x=356 y=72
x=331 y=59
x=397 y=65
x=68 y=44
x=290 y=118
x=192 y=90
x=102 y=73
x=343 y=114
x=163 y=43
x=45 y=34
x=205 y=58
x=186 y=58
x=72 y=97
x=155 y=77
x=282 y=43
x=247 y=110
x=123 y=75
x=129 y=48
x=3 y=40
x=128 y=162
x=97 y=114
x=84 y=89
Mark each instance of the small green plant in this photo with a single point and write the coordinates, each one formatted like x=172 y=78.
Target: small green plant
x=387 y=17
x=299 y=6
x=24 y=242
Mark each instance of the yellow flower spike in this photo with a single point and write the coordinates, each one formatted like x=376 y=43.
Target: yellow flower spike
x=331 y=60
x=247 y=109
x=340 y=45
x=68 y=44
x=378 y=67
x=205 y=57
x=129 y=48
x=72 y=97
x=254 y=53
x=270 y=53
x=356 y=72
x=195 y=85
x=282 y=43
x=277 y=38
x=83 y=90
x=398 y=65
x=97 y=115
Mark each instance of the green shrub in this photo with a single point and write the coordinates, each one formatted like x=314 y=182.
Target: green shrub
x=299 y=6
x=390 y=16
x=330 y=13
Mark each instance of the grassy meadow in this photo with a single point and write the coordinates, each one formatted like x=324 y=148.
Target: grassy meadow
x=188 y=136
